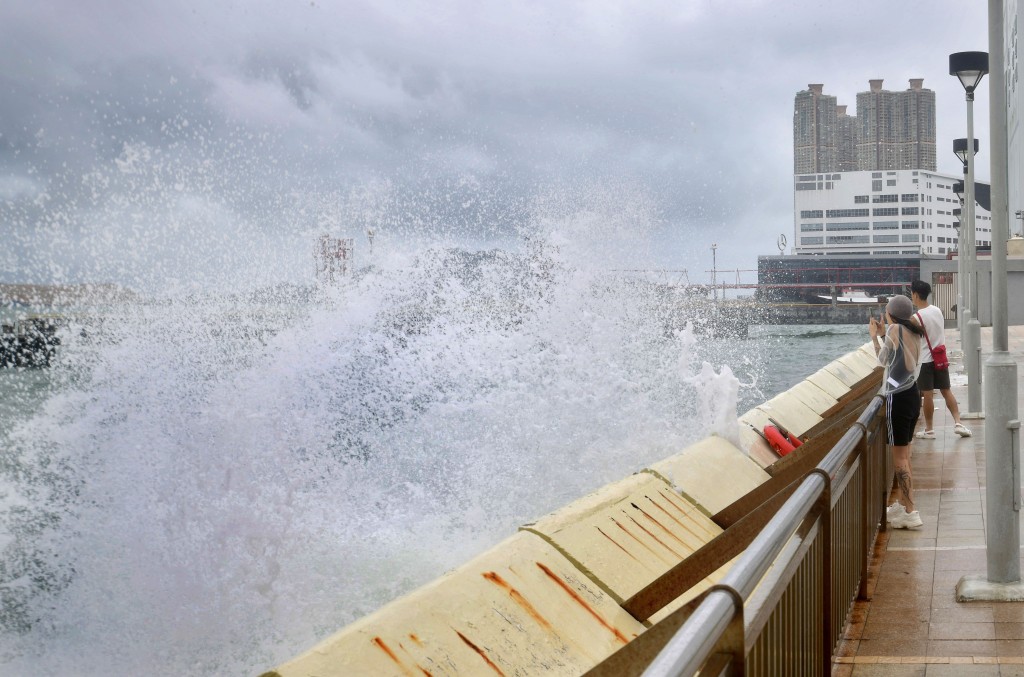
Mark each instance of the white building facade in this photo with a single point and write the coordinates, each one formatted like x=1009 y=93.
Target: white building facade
x=866 y=213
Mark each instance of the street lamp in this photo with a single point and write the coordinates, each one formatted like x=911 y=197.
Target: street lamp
x=970 y=287
x=970 y=68
x=958 y=190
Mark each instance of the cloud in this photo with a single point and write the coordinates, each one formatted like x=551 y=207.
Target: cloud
x=692 y=100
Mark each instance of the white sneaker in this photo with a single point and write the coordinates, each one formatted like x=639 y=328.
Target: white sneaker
x=908 y=520
x=928 y=435
x=894 y=510
x=962 y=430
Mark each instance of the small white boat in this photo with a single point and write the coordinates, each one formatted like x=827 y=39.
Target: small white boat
x=851 y=296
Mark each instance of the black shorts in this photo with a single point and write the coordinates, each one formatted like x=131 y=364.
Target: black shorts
x=931 y=378
x=902 y=410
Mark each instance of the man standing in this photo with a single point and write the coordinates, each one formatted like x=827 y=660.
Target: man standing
x=930 y=378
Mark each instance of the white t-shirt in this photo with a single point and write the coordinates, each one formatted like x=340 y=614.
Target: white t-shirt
x=935 y=325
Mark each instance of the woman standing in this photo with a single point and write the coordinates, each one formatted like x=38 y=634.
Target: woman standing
x=898 y=348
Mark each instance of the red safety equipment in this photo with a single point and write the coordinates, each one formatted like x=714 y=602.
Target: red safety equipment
x=780 y=443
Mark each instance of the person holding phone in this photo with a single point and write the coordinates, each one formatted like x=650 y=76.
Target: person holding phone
x=897 y=345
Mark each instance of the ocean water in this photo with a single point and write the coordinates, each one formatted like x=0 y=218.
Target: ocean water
x=209 y=485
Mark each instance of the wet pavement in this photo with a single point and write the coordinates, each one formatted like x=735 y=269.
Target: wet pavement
x=913 y=625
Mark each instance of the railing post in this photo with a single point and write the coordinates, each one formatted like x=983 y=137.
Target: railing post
x=869 y=470
x=823 y=507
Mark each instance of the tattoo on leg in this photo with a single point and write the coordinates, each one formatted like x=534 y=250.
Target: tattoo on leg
x=906 y=487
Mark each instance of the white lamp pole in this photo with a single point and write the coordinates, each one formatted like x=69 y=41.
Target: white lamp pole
x=970 y=68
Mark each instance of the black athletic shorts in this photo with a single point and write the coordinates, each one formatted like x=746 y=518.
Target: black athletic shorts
x=901 y=412
x=931 y=378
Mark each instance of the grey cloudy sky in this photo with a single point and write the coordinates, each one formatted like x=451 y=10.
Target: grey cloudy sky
x=181 y=137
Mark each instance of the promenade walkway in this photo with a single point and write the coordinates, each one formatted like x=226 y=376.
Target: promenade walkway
x=913 y=625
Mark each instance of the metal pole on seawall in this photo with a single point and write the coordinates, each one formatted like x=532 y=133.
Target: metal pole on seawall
x=1001 y=582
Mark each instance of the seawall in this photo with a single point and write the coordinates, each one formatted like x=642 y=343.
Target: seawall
x=569 y=590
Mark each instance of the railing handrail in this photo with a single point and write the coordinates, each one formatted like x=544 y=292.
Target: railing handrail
x=696 y=639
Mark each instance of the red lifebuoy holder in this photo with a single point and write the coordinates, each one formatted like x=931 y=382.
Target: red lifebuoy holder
x=780 y=443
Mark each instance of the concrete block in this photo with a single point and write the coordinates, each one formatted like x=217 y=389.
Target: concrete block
x=850 y=368
x=756 y=448
x=816 y=399
x=520 y=608
x=712 y=472
x=629 y=533
x=788 y=410
x=830 y=383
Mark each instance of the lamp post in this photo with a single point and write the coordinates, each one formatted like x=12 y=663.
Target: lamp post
x=967 y=204
x=970 y=329
x=961 y=277
x=970 y=68
x=1002 y=581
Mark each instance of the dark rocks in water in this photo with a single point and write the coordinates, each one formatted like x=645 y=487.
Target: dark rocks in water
x=29 y=343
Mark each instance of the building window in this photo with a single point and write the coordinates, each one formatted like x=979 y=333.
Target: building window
x=805 y=186
x=847 y=239
x=876 y=185
x=887 y=238
x=887 y=225
x=876 y=175
x=888 y=197
x=911 y=225
x=810 y=227
x=811 y=214
x=908 y=197
x=890 y=182
x=911 y=238
x=860 y=199
x=845 y=213
x=886 y=211
x=910 y=211
x=811 y=240
x=850 y=225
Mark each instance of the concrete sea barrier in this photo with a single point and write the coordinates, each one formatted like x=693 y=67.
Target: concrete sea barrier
x=573 y=592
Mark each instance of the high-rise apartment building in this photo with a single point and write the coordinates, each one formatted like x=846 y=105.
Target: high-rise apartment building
x=896 y=130
x=846 y=141
x=814 y=131
x=891 y=131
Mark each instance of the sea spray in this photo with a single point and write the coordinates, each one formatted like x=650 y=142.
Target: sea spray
x=228 y=479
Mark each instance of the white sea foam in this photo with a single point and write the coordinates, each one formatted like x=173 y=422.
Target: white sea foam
x=204 y=497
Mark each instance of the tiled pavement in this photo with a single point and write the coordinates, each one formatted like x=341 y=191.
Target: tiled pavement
x=913 y=625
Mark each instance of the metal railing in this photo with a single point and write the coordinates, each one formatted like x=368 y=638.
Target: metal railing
x=782 y=606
